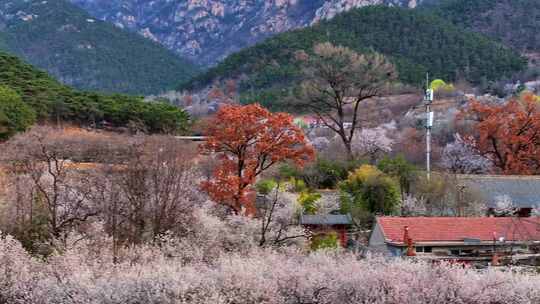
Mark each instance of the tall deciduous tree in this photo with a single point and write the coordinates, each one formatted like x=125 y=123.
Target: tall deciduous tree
x=337 y=81
x=248 y=140
x=152 y=193
x=508 y=134
x=53 y=184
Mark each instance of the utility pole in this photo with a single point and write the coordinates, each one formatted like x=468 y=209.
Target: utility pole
x=428 y=99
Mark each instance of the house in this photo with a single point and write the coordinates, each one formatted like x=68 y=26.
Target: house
x=455 y=238
x=328 y=223
x=523 y=191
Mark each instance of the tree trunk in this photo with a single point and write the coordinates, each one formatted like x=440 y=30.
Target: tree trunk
x=348 y=149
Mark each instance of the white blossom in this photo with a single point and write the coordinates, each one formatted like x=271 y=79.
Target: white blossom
x=259 y=276
x=374 y=141
x=504 y=205
x=462 y=157
x=413 y=206
x=320 y=143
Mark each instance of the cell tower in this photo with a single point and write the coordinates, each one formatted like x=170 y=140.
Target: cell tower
x=428 y=100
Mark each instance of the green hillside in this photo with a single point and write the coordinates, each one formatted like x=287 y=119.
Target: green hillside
x=53 y=101
x=85 y=53
x=416 y=41
x=516 y=23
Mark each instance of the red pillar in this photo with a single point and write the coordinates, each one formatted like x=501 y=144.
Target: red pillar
x=342 y=236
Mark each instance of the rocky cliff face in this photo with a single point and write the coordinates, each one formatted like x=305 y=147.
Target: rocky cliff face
x=208 y=30
x=333 y=7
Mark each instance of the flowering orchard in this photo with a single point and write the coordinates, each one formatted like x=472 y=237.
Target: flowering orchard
x=82 y=275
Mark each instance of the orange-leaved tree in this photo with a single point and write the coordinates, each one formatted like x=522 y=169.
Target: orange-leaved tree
x=248 y=140
x=508 y=134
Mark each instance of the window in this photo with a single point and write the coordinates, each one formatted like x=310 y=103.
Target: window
x=422 y=249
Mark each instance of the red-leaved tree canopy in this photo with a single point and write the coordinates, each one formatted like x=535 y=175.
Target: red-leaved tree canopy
x=508 y=134
x=248 y=140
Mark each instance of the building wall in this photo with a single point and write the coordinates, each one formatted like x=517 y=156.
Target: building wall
x=377 y=242
x=339 y=230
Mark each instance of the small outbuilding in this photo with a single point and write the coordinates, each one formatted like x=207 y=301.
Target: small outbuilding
x=328 y=223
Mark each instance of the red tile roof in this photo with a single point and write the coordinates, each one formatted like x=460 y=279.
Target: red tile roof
x=448 y=229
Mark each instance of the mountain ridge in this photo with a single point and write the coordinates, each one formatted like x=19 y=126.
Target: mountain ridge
x=87 y=53
x=417 y=42
x=516 y=23
x=207 y=31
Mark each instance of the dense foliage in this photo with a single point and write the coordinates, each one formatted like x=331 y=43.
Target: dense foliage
x=86 y=53
x=516 y=23
x=15 y=115
x=415 y=41
x=508 y=135
x=56 y=102
x=370 y=190
x=320 y=174
x=399 y=168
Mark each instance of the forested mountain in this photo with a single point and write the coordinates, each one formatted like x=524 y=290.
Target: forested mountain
x=56 y=102
x=516 y=23
x=415 y=41
x=86 y=53
x=207 y=31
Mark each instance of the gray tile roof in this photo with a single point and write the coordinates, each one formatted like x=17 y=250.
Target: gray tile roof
x=523 y=190
x=326 y=219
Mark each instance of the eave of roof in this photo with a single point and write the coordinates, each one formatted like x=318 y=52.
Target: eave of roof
x=327 y=219
x=524 y=191
x=456 y=229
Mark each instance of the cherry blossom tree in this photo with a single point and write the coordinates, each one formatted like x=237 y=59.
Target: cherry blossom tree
x=83 y=275
x=153 y=192
x=371 y=143
x=63 y=193
x=278 y=219
x=461 y=157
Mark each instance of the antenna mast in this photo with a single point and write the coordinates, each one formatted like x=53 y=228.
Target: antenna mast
x=428 y=99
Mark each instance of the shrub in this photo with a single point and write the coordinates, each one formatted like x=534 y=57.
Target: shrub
x=265 y=186
x=322 y=174
x=399 y=168
x=370 y=190
x=325 y=241
x=307 y=200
